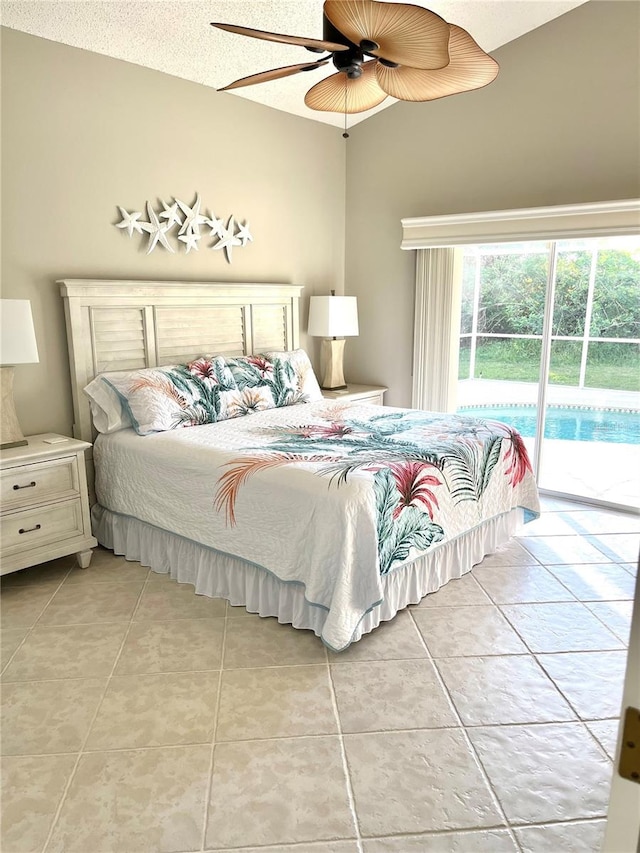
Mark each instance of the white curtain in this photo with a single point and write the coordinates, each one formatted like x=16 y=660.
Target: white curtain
x=436 y=329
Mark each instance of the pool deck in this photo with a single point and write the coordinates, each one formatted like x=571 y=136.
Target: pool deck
x=478 y=392
x=591 y=469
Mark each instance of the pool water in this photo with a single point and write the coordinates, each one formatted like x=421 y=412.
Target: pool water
x=616 y=427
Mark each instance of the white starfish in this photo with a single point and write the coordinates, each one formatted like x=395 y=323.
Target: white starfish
x=170 y=213
x=193 y=219
x=190 y=239
x=157 y=231
x=130 y=222
x=228 y=239
x=244 y=234
x=215 y=224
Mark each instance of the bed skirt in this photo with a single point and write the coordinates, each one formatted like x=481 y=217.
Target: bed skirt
x=244 y=584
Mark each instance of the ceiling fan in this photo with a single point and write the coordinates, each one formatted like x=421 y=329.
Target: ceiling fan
x=380 y=49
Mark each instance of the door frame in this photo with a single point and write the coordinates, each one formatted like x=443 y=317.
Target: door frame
x=623 y=819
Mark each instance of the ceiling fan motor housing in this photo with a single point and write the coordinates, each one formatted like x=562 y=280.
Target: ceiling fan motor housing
x=350 y=61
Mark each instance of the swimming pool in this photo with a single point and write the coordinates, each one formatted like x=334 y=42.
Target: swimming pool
x=616 y=427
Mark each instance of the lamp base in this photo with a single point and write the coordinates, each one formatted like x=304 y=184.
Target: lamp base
x=10 y=432
x=331 y=361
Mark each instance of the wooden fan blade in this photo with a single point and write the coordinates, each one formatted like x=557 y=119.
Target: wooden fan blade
x=339 y=94
x=401 y=32
x=274 y=74
x=470 y=68
x=312 y=44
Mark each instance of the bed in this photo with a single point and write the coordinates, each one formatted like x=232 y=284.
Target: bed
x=329 y=516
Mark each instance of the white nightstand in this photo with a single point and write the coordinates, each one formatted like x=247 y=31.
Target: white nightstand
x=44 y=511
x=362 y=393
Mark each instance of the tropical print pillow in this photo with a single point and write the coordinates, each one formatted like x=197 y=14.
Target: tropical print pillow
x=163 y=398
x=305 y=377
x=262 y=383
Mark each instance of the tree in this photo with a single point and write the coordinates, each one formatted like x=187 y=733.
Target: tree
x=513 y=288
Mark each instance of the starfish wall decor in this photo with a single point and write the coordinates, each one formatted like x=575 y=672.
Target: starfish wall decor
x=187 y=220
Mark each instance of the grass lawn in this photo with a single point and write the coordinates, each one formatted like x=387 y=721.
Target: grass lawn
x=495 y=363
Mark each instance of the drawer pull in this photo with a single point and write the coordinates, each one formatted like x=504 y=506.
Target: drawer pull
x=29 y=529
x=28 y=486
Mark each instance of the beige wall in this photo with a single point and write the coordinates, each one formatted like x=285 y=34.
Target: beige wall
x=560 y=125
x=82 y=133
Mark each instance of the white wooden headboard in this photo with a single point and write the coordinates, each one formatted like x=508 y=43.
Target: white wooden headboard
x=125 y=325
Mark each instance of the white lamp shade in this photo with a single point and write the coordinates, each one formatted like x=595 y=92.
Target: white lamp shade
x=333 y=316
x=17 y=335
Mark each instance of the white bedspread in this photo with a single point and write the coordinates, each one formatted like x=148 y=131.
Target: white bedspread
x=260 y=488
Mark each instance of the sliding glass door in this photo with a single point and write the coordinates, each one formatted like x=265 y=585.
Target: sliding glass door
x=550 y=343
x=503 y=299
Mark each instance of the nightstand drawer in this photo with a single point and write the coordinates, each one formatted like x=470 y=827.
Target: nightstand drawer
x=27 y=485
x=32 y=528
x=372 y=399
x=371 y=395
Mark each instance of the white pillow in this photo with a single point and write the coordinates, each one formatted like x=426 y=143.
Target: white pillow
x=106 y=408
x=299 y=360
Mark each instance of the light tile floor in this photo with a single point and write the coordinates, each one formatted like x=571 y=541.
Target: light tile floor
x=139 y=717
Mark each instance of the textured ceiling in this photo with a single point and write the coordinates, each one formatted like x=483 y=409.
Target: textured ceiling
x=174 y=36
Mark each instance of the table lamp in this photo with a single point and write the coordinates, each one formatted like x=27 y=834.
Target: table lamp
x=17 y=346
x=332 y=317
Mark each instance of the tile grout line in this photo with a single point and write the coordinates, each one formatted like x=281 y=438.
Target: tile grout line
x=468 y=740
x=164 y=671
x=535 y=653
x=209 y=786
x=467 y=830
x=411 y=730
x=581 y=536
x=556 y=651
x=31 y=627
x=109 y=749
x=528 y=650
x=571 y=600
x=605 y=565
x=579 y=718
x=585 y=531
x=345 y=764
x=600 y=746
x=570 y=822
x=121 y=621
x=601 y=620
x=597 y=536
x=81 y=752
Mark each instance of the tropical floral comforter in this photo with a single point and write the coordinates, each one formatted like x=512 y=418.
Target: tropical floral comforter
x=332 y=496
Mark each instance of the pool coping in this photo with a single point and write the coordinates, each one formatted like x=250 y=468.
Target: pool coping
x=573 y=406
